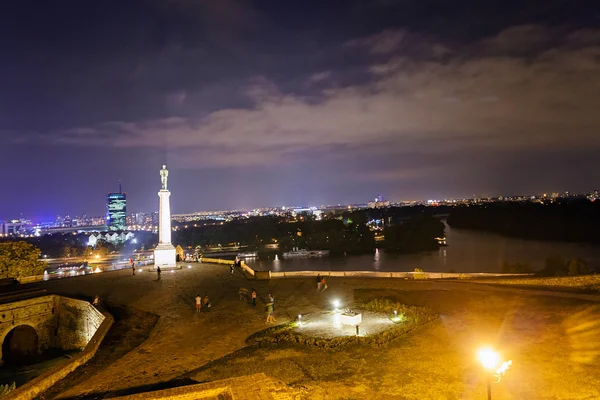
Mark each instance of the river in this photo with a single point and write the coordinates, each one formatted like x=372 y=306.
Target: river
x=467 y=251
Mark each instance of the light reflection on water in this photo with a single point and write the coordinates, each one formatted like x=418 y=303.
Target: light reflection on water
x=467 y=251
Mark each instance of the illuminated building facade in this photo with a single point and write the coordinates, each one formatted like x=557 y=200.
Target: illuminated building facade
x=116 y=211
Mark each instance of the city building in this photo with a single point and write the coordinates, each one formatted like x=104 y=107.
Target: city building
x=378 y=202
x=111 y=237
x=14 y=227
x=116 y=211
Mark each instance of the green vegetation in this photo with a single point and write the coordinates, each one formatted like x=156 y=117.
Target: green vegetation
x=572 y=221
x=414 y=235
x=558 y=266
x=6 y=389
x=68 y=245
x=582 y=283
x=407 y=230
x=516 y=268
x=19 y=259
x=419 y=274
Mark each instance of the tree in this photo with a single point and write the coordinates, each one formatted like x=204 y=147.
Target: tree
x=578 y=267
x=516 y=268
x=68 y=251
x=19 y=259
x=87 y=251
x=555 y=266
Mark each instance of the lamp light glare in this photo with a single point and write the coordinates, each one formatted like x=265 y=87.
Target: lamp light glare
x=488 y=358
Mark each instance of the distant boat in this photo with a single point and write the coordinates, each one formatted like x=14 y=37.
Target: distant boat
x=251 y=254
x=303 y=253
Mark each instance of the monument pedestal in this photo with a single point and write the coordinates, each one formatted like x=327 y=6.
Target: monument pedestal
x=164 y=256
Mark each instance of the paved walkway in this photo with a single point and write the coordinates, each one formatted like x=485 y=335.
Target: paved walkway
x=183 y=341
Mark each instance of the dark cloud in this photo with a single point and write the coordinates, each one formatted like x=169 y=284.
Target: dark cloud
x=243 y=93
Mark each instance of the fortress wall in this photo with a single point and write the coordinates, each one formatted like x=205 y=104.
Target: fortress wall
x=77 y=322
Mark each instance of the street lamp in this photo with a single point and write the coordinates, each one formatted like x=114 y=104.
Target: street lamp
x=492 y=364
x=336 y=304
x=489 y=360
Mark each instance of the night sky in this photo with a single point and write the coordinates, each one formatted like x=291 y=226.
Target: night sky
x=272 y=103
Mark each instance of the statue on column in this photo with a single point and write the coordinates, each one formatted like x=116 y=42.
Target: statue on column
x=164 y=174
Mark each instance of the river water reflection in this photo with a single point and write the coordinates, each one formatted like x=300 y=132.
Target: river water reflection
x=467 y=251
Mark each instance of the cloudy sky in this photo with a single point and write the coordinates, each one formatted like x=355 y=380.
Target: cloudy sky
x=267 y=103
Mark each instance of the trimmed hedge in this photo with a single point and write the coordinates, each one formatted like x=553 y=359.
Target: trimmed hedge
x=412 y=318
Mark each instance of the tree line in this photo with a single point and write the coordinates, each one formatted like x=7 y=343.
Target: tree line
x=575 y=221
x=409 y=230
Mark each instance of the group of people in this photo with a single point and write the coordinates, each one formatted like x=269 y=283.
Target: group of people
x=202 y=303
x=269 y=305
x=321 y=283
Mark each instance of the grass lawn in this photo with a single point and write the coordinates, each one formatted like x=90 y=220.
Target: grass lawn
x=582 y=283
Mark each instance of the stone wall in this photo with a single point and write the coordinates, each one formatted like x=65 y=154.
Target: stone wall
x=360 y=274
x=39 y=385
x=246 y=268
x=376 y=274
x=59 y=322
x=77 y=322
x=40 y=313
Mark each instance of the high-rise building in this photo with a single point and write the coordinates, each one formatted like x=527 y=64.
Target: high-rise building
x=116 y=211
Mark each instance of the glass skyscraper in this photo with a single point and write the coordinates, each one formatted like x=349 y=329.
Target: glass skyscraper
x=116 y=211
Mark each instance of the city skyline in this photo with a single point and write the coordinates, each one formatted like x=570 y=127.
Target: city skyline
x=256 y=103
x=95 y=218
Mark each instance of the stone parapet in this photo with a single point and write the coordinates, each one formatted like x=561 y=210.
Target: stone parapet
x=246 y=268
x=377 y=274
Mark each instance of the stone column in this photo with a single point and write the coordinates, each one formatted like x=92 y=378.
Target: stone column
x=164 y=218
x=164 y=253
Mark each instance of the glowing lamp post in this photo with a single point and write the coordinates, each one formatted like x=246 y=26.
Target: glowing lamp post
x=336 y=304
x=492 y=364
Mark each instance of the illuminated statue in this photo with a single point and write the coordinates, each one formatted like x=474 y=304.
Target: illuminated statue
x=164 y=173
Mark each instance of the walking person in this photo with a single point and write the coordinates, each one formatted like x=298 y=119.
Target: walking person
x=253 y=297
x=158 y=273
x=206 y=303
x=319 y=283
x=198 y=303
x=270 y=313
x=272 y=300
x=231 y=268
x=323 y=284
x=132 y=266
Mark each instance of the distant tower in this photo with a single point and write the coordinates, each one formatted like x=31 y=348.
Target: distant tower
x=116 y=210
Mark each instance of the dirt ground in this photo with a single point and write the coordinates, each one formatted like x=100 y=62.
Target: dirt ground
x=546 y=338
x=553 y=339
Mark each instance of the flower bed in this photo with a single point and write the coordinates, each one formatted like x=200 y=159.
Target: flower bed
x=407 y=319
